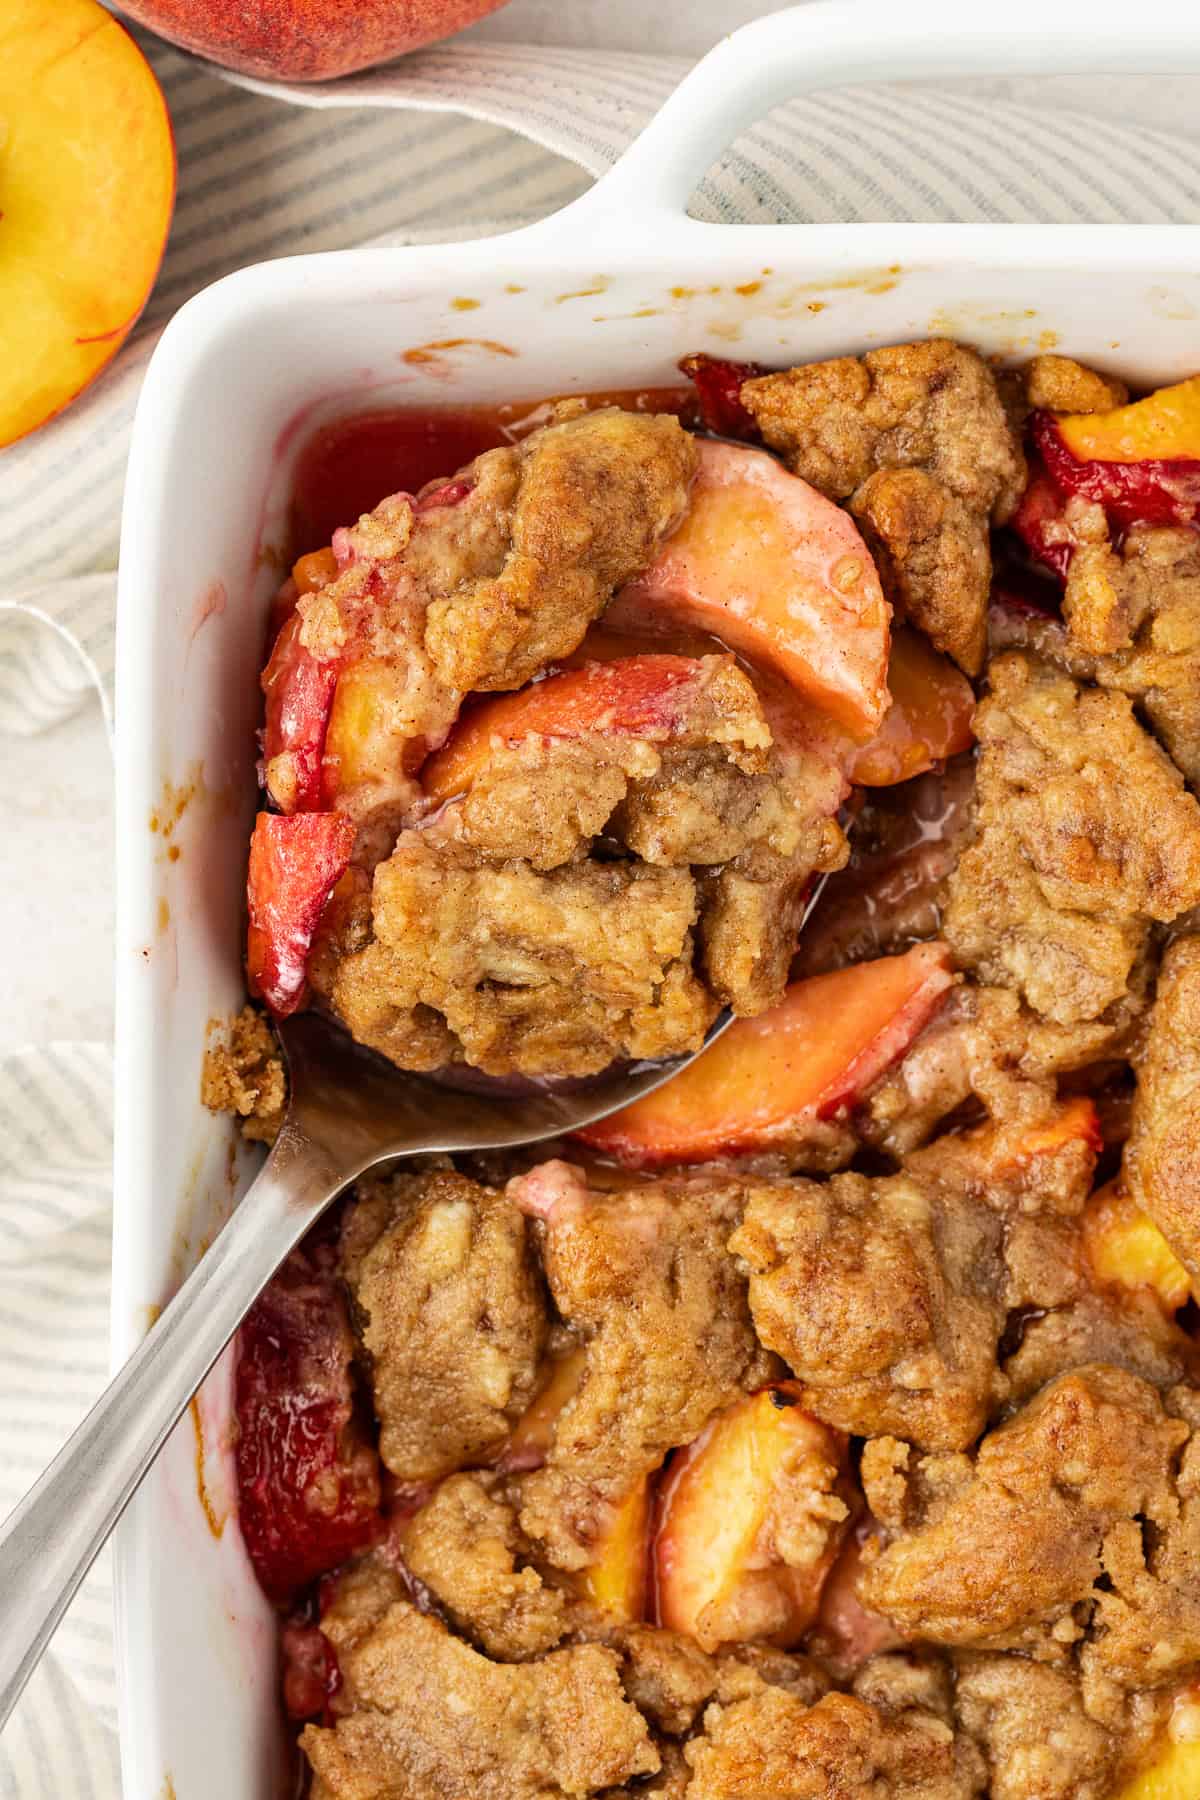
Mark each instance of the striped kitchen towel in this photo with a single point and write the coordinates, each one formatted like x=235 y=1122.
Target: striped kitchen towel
x=460 y=140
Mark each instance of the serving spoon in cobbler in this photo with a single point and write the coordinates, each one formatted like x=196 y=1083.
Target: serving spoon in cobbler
x=349 y=1112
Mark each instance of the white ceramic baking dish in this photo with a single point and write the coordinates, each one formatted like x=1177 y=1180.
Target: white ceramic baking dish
x=607 y=294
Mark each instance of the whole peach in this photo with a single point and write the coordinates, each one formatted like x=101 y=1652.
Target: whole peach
x=305 y=40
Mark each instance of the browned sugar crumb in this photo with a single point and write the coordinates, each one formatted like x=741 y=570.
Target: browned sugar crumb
x=243 y=1074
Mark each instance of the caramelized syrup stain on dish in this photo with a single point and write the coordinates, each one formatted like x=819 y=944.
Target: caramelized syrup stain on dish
x=348 y=467
x=216 y=1522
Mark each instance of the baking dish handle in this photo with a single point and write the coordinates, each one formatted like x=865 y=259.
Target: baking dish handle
x=832 y=44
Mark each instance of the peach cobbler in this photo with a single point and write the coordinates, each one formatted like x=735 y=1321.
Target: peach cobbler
x=827 y=1423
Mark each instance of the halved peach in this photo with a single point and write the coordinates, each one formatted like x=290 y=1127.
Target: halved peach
x=640 y=696
x=750 y=1523
x=811 y=1056
x=1124 y=1246
x=533 y=1434
x=1143 y=469
x=86 y=192
x=781 y=575
x=617 y=1578
x=299 y=697
x=295 y=863
x=928 y=720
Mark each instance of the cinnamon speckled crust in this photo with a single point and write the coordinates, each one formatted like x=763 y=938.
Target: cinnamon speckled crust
x=1084 y=835
x=933 y=555
x=243 y=1074
x=998 y=1550
x=883 y=1300
x=441 y=599
x=464 y=1546
x=434 y=1261
x=1030 y=1723
x=1061 y=384
x=519 y=971
x=644 y=1277
x=433 y=1717
x=1162 y=1159
x=840 y=1749
x=916 y=438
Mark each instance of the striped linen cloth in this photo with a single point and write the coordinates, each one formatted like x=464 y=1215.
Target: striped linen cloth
x=483 y=134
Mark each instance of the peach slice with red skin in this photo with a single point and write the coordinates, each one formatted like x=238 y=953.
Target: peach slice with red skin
x=298 y=691
x=810 y=1057
x=296 y=861
x=88 y=187
x=734 y=1507
x=1039 y=523
x=1140 y=462
x=643 y=696
x=779 y=574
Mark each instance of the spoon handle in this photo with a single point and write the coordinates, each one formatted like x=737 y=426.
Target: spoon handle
x=51 y=1539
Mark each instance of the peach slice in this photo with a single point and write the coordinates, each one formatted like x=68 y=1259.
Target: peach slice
x=1125 y=1247
x=533 y=1434
x=295 y=864
x=750 y=1523
x=1163 y=427
x=299 y=694
x=928 y=720
x=639 y=696
x=87 y=185
x=814 y=1054
x=617 y=1579
x=781 y=575
x=1159 y=486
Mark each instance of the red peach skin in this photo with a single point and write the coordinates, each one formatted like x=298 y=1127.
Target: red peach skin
x=295 y=863
x=1039 y=523
x=718 y=1574
x=1154 y=490
x=766 y=564
x=640 y=696
x=305 y=40
x=816 y=1053
x=718 y=385
x=299 y=698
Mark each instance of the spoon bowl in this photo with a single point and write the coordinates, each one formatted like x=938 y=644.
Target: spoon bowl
x=348 y=1112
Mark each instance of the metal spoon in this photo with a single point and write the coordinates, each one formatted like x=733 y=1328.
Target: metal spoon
x=348 y=1112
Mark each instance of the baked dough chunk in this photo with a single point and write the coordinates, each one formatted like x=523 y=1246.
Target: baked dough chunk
x=1162 y=1158
x=840 y=1749
x=523 y=972
x=432 y=1717
x=1061 y=384
x=464 y=1546
x=1030 y=1723
x=1084 y=835
x=643 y=1277
x=931 y=411
x=1135 y=612
x=450 y=1310
x=882 y=1299
x=478 y=582
x=998 y=1550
